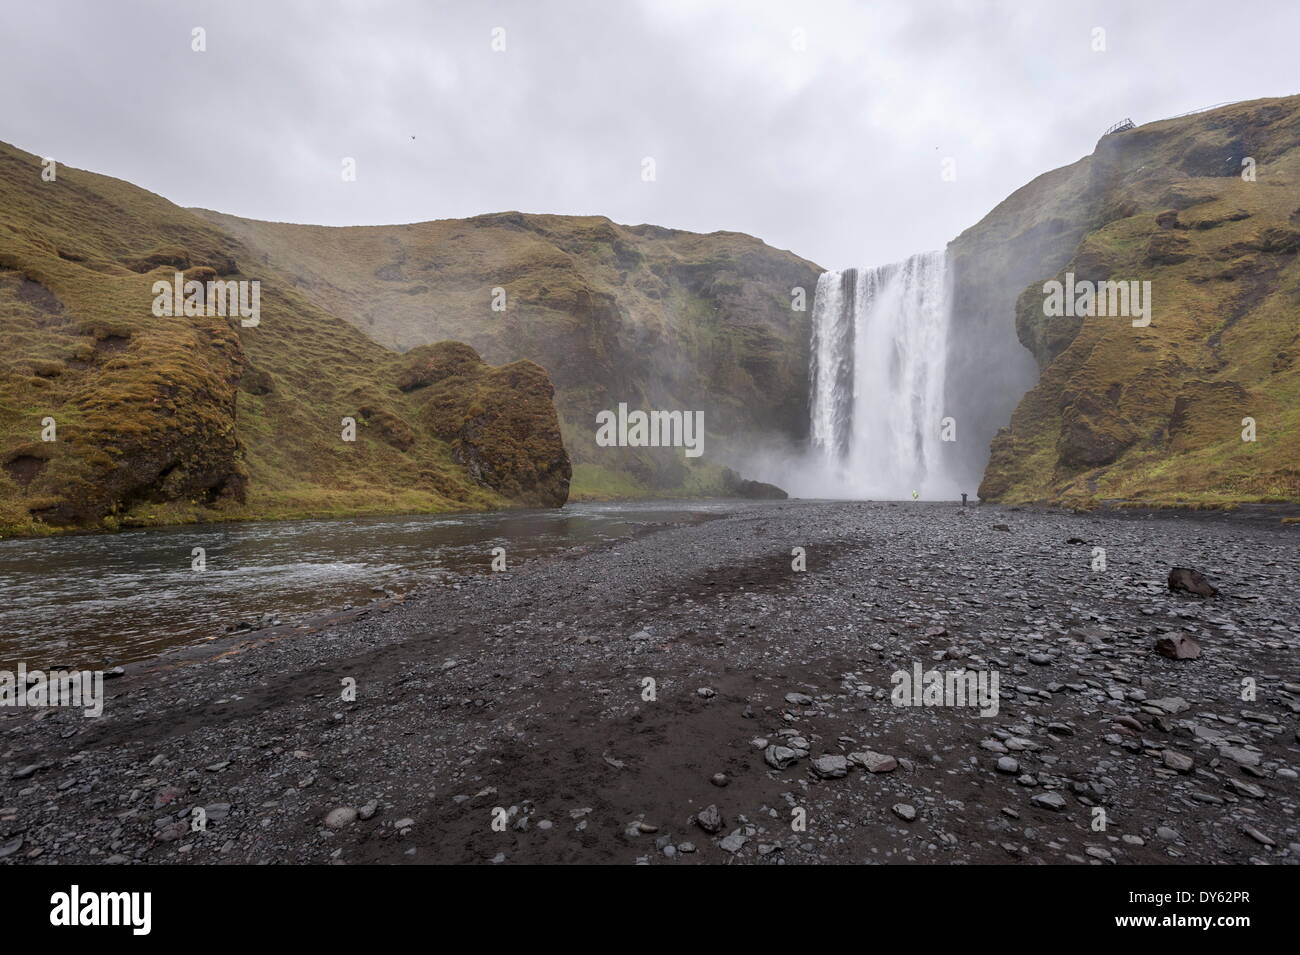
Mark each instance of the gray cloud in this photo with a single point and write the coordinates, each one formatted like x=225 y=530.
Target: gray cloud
x=833 y=152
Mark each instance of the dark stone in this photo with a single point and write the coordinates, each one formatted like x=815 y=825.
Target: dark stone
x=709 y=819
x=1178 y=646
x=1191 y=581
x=754 y=490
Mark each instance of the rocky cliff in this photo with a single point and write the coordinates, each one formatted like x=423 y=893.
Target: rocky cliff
x=112 y=415
x=654 y=317
x=1206 y=208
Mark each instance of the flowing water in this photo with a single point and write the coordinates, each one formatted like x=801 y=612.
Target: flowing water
x=878 y=354
x=95 y=598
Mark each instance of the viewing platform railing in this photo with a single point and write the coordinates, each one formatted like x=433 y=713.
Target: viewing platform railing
x=1126 y=124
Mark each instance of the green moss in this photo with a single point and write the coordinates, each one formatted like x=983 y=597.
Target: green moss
x=156 y=422
x=654 y=317
x=591 y=482
x=1154 y=414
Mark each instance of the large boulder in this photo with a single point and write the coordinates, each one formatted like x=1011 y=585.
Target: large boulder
x=500 y=422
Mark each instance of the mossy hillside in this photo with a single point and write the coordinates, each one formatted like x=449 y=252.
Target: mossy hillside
x=1155 y=414
x=177 y=419
x=139 y=404
x=499 y=423
x=654 y=317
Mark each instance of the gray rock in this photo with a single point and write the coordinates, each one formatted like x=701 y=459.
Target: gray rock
x=710 y=819
x=1191 y=581
x=904 y=811
x=1243 y=788
x=1177 y=761
x=1240 y=756
x=1178 y=646
x=874 y=762
x=780 y=757
x=1258 y=836
x=1052 y=801
x=734 y=842
x=340 y=817
x=830 y=767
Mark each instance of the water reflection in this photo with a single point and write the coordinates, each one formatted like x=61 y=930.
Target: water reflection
x=121 y=597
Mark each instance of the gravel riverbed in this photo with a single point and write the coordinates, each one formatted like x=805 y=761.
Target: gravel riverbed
x=506 y=717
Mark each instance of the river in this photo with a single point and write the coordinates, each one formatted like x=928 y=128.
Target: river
x=93 y=599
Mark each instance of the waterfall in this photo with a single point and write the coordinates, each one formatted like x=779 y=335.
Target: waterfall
x=879 y=350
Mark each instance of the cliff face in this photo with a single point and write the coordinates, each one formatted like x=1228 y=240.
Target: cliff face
x=197 y=417
x=1156 y=412
x=656 y=318
x=499 y=422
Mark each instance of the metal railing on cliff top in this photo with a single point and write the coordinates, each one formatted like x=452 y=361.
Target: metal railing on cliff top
x=1126 y=124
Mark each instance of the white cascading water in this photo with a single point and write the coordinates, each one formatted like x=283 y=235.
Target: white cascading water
x=879 y=350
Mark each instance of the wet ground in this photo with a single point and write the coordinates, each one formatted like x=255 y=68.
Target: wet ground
x=507 y=717
x=91 y=599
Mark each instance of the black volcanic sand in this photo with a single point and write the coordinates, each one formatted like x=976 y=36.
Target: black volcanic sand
x=523 y=690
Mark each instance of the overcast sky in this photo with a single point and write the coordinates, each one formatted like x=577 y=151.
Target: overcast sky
x=834 y=151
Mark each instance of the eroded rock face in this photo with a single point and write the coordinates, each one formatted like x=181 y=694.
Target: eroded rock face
x=175 y=418
x=1092 y=431
x=1148 y=403
x=499 y=421
x=654 y=317
x=1167 y=249
x=149 y=417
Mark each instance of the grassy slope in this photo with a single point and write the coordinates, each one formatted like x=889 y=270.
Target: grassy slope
x=1155 y=414
x=654 y=317
x=177 y=419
